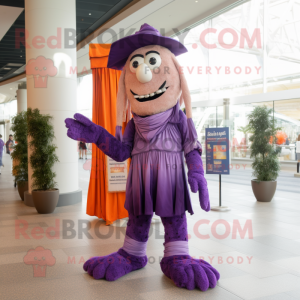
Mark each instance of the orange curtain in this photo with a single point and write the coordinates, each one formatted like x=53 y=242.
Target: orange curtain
x=100 y=203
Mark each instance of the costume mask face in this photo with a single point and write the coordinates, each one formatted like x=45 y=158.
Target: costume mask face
x=152 y=81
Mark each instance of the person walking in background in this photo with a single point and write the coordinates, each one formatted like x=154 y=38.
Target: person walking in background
x=1 y=152
x=298 y=153
x=287 y=141
x=9 y=144
x=82 y=150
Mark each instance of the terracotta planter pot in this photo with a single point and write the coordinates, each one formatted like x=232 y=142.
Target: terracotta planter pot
x=264 y=190
x=22 y=188
x=45 y=201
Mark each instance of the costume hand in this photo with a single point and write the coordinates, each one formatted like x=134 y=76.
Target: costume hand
x=82 y=129
x=196 y=178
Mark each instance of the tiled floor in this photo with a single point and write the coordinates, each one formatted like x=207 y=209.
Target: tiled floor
x=266 y=266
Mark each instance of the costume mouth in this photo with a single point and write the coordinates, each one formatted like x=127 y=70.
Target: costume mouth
x=148 y=97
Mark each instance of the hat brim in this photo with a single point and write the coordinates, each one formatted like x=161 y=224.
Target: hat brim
x=121 y=49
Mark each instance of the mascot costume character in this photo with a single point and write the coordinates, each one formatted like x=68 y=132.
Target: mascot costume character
x=156 y=139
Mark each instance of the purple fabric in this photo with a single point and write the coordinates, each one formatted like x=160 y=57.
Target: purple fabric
x=138 y=227
x=146 y=36
x=192 y=139
x=150 y=126
x=113 y=266
x=169 y=131
x=190 y=273
x=82 y=129
x=175 y=228
x=1 y=146
x=185 y=271
x=157 y=179
x=176 y=248
x=134 y=247
x=1 y=152
x=196 y=178
x=118 y=134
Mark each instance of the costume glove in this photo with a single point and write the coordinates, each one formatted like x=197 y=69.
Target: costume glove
x=196 y=178
x=82 y=129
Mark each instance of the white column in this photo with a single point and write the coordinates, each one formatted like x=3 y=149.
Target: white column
x=226 y=114
x=7 y=131
x=51 y=87
x=21 y=98
x=2 y=131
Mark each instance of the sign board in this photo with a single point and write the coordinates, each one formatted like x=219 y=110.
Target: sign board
x=217 y=150
x=117 y=173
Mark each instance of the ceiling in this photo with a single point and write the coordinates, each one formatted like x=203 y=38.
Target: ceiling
x=105 y=14
x=90 y=14
x=168 y=16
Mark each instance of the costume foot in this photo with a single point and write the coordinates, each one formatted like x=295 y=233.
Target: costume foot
x=114 y=266
x=190 y=273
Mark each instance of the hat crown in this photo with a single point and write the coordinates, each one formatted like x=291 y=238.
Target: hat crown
x=121 y=49
x=146 y=28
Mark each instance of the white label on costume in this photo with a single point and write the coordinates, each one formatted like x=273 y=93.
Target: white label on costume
x=117 y=173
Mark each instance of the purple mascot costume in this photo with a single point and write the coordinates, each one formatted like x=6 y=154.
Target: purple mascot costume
x=157 y=138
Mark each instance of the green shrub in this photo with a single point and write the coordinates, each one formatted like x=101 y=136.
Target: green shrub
x=43 y=157
x=20 y=153
x=263 y=128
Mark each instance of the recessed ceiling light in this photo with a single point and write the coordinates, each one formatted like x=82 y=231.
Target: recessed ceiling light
x=21 y=56
x=90 y=14
x=11 y=88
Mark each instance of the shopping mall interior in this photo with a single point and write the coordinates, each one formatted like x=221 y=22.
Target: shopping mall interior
x=61 y=75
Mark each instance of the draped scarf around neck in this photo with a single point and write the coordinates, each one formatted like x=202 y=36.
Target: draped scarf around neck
x=150 y=126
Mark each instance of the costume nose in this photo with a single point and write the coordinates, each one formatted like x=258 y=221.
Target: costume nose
x=143 y=73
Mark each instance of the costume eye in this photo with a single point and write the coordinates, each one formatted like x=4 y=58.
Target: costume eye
x=153 y=60
x=45 y=68
x=36 y=68
x=135 y=63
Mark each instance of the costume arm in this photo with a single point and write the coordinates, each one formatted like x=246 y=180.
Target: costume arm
x=188 y=134
x=118 y=148
x=83 y=129
x=193 y=151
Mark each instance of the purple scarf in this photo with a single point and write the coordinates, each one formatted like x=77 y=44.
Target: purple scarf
x=151 y=126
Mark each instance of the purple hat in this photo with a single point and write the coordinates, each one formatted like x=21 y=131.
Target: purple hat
x=147 y=35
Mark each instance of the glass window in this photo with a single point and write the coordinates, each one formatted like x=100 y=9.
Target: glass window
x=233 y=53
x=195 y=62
x=204 y=117
x=287 y=113
x=236 y=60
x=283 y=45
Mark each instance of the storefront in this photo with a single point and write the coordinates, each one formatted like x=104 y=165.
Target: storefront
x=250 y=56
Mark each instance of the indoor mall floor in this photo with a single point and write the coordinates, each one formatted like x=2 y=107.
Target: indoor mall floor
x=266 y=266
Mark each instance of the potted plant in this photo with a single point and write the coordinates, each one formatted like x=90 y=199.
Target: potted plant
x=19 y=153
x=42 y=159
x=266 y=164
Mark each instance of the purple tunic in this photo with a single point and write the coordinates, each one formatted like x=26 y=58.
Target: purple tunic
x=1 y=151
x=1 y=147
x=157 y=179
